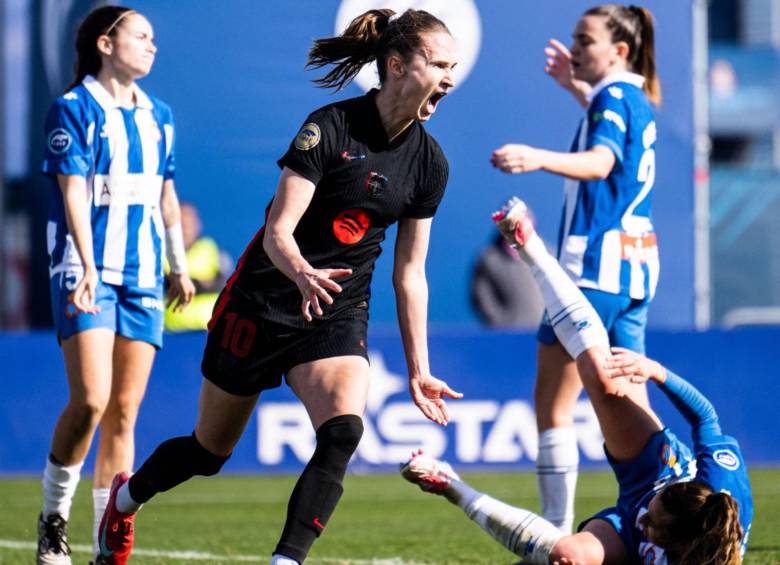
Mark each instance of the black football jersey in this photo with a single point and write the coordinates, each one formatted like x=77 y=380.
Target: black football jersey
x=364 y=183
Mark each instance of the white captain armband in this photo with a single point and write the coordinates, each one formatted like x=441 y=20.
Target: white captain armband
x=174 y=249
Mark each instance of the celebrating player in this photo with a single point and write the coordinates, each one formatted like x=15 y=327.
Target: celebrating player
x=109 y=153
x=297 y=304
x=673 y=507
x=607 y=242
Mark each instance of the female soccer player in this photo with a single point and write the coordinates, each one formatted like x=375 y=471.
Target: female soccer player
x=353 y=169
x=109 y=153
x=607 y=241
x=672 y=507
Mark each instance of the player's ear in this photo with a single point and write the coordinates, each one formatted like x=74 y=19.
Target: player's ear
x=104 y=45
x=396 y=66
x=622 y=49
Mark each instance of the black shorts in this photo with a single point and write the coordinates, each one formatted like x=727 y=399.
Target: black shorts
x=246 y=354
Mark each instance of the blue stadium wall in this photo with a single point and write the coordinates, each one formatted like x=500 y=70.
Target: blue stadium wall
x=492 y=427
x=234 y=74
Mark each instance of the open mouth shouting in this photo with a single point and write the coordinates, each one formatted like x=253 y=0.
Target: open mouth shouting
x=433 y=101
x=429 y=105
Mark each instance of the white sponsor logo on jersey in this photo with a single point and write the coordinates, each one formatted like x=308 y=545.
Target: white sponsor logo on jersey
x=726 y=459
x=616 y=119
x=59 y=141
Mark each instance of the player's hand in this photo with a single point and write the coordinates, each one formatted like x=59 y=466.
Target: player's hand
x=316 y=285
x=515 y=158
x=634 y=366
x=558 y=66
x=428 y=394
x=180 y=292
x=83 y=296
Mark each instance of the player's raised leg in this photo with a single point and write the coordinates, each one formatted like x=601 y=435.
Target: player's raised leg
x=623 y=410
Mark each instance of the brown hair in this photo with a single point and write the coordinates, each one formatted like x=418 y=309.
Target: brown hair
x=634 y=26
x=102 y=21
x=371 y=36
x=705 y=528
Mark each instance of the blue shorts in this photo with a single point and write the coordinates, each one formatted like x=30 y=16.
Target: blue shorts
x=132 y=312
x=624 y=318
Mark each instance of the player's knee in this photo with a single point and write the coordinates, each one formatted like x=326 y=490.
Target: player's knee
x=577 y=549
x=590 y=365
x=205 y=462
x=86 y=412
x=340 y=435
x=119 y=419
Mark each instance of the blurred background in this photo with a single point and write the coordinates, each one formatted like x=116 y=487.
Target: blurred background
x=234 y=75
x=236 y=82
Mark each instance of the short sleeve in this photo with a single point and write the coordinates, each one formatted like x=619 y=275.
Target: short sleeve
x=68 y=149
x=607 y=121
x=314 y=146
x=427 y=199
x=169 y=131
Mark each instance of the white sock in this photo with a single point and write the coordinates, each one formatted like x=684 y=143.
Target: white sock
x=59 y=486
x=577 y=325
x=520 y=531
x=125 y=502
x=556 y=475
x=279 y=559
x=99 y=502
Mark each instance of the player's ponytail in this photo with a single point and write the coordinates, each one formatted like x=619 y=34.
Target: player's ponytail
x=634 y=25
x=102 y=21
x=644 y=62
x=372 y=36
x=704 y=529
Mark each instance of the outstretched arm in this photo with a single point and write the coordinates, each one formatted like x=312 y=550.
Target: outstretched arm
x=411 y=291
x=593 y=164
x=692 y=404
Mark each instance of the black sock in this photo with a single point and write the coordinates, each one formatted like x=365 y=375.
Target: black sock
x=173 y=462
x=319 y=489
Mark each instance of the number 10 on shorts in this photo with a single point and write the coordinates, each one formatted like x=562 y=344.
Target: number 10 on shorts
x=238 y=335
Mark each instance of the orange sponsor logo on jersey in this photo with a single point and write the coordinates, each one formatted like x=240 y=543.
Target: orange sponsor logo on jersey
x=641 y=248
x=351 y=225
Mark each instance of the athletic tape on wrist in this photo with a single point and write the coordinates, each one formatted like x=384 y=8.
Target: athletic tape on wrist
x=174 y=249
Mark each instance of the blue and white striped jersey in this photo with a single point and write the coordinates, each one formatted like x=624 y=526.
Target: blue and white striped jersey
x=125 y=156
x=606 y=240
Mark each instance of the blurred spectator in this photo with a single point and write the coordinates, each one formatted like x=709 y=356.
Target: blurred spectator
x=503 y=291
x=723 y=79
x=209 y=268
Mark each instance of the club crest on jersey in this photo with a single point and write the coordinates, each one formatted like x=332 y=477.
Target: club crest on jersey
x=308 y=137
x=350 y=226
x=376 y=183
x=668 y=456
x=59 y=141
x=726 y=459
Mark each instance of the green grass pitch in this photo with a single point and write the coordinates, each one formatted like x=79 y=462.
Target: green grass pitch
x=381 y=520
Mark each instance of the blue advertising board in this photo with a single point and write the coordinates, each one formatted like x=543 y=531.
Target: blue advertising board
x=234 y=75
x=493 y=426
